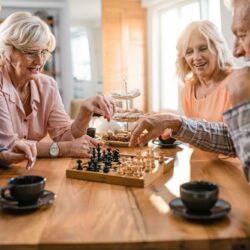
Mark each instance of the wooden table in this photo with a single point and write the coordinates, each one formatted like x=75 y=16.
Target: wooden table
x=90 y=215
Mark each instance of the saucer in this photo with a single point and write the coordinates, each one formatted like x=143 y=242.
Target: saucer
x=164 y=145
x=219 y=210
x=46 y=198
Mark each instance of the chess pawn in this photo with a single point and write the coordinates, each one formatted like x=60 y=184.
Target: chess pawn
x=131 y=170
x=138 y=156
x=119 y=169
x=152 y=163
x=134 y=162
x=161 y=158
x=147 y=166
x=79 y=165
x=140 y=172
x=151 y=153
x=115 y=166
x=143 y=163
x=135 y=168
x=124 y=169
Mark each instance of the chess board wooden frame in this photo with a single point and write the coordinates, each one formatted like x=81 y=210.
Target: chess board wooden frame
x=119 y=179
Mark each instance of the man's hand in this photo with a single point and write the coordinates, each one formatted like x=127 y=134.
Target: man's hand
x=19 y=151
x=149 y=127
x=238 y=85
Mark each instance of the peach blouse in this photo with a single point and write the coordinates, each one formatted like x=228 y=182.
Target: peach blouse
x=47 y=116
x=209 y=108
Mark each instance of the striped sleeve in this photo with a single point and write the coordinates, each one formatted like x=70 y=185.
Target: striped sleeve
x=238 y=121
x=209 y=136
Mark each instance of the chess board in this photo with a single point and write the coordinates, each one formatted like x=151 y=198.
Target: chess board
x=129 y=170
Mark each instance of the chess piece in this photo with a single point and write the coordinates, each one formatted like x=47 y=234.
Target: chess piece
x=116 y=155
x=104 y=156
x=99 y=157
x=79 y=165
x=93 y=153
x=161 y=158
x=106 y=167
x=91 y=132
x=147 y=165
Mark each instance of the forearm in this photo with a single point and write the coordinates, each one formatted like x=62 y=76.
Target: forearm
x=81 y=123
x=238 y=121
x=44 y=147
x=209 y=136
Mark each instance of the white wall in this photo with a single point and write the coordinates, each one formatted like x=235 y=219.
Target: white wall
x=86 y=14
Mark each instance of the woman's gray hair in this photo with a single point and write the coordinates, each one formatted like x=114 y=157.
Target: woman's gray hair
x=213 y=37
x=24 y=31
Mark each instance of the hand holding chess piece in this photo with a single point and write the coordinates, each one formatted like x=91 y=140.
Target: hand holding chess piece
x=100 y=104
x=155 y=125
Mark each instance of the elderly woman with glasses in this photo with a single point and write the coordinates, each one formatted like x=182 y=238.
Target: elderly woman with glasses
x=30 y=103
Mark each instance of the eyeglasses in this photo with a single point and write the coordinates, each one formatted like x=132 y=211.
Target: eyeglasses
x=32 y=55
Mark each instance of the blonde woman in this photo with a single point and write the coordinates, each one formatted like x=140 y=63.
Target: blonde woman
x=203 y=62
x=30 y=103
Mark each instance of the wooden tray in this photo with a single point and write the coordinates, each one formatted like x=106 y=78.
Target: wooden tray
x=113 y=177
x=125 y=97
x=119 y=119
x=117 y=143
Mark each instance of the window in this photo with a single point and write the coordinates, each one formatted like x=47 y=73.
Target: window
x=80 y=55
x=166 y=23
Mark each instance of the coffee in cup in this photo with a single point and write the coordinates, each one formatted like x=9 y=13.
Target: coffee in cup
x=169 y=140
x=24 y=189
x=199 y=196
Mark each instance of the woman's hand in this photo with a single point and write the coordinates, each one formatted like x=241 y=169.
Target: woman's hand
x=19 y=151
x=80 y=147
x=101 y=105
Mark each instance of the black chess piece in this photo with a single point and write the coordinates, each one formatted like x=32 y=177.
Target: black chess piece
x=109 y=153
x=91 y=165
x=93 y=153
x=116 y=155
x=106 y=167
x=104 y=156
x=79 y=165
x=98 y=148
x=99 y=156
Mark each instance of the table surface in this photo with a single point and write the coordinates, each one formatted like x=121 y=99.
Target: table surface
x=94 y=215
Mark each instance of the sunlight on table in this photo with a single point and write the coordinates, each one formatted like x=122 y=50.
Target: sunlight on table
x=182 y=171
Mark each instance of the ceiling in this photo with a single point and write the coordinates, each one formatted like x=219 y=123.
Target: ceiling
x=84 y=10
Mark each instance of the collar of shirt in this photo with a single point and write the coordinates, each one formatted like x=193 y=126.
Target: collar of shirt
x=9 y=89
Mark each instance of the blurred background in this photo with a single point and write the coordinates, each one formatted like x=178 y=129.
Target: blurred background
x=99 y=42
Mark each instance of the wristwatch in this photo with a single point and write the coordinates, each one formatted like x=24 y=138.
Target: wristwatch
x=54 y=150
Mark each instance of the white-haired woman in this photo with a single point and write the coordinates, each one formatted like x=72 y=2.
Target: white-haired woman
x=203 y=62
x=30 y=103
